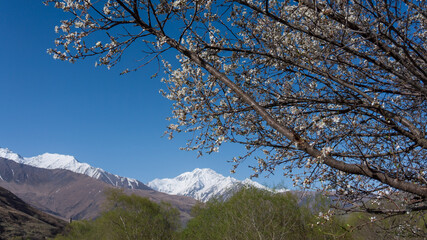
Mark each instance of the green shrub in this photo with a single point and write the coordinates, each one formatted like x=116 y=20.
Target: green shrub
x=249 y=214
x=128 y=217
x=258 y=214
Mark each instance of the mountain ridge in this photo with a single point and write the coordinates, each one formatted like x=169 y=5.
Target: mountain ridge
x=200 y=184
x=67 y=162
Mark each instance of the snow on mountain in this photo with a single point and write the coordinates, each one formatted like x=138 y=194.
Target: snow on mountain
x=58 y=161
x=201 y=184
x=6 y=153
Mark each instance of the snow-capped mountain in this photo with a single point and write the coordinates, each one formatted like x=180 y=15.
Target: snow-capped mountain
x=201 y=184
x=58 y=161
x=6 y=153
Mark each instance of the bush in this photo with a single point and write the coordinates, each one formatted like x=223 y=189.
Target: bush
x=249 y=213
x=258 y=214
x=128 y=217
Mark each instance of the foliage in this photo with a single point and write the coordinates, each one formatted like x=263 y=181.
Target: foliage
x=260 y=214
x=336 y=89
x=248 y=214
x=84 y=230
x=412 y=225
x=128 y=217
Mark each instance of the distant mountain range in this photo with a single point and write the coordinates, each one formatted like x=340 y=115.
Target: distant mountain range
x=202 y=184
x=61 y=185
x=67 y=194
x=66 y=162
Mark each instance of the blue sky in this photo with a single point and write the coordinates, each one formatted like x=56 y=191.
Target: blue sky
x=109 y=121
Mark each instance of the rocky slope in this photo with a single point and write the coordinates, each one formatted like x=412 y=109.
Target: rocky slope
x=20 y=220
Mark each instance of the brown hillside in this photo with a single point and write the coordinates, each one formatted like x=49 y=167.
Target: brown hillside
x=20 y=220
x=70 y=195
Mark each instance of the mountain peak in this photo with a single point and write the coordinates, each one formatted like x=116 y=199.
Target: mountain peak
x=8 y=154
x=58 y=157
x=54 y=160
x=203 y=170
x=59 y=161
x=206 y=173
x=201 y=184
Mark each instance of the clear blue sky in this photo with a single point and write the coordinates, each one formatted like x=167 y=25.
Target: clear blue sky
x=109 y=121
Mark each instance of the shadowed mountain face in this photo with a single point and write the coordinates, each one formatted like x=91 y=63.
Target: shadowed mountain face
x=18 y=219
x=70 y=195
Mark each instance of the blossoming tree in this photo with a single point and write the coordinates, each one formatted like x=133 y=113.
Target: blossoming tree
x=333 y=92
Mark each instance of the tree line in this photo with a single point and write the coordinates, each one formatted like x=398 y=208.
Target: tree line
x=248 y=214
